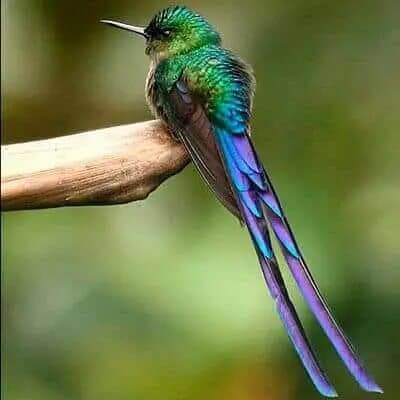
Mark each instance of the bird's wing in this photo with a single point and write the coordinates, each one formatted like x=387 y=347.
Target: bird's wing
x=195 y=131
x=211 y=153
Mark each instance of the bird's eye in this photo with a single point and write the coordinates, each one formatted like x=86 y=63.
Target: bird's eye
x=166 y=33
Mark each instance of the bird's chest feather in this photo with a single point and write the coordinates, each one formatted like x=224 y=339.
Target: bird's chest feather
x=160 y=79
x=153 y=95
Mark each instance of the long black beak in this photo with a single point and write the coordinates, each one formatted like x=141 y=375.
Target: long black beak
x=135 y=29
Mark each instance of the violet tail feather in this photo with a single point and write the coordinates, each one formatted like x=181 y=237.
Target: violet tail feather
x=295 y=330
x=259 y=206
x=286 y=310
x=314 y=299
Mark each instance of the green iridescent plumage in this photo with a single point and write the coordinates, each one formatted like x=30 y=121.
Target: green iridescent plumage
x=204 y=94
x=215 y=75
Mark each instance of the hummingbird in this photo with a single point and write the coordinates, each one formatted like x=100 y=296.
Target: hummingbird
x=204 y=92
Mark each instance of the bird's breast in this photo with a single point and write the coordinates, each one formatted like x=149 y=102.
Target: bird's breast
x=150 y=89
x=153 y=95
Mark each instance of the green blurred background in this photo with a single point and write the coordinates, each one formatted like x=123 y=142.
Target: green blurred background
x=163 y=299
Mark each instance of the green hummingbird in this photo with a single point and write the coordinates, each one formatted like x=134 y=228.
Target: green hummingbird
x=204 y=94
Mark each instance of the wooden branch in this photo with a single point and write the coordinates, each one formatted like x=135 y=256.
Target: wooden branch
x=106 y=166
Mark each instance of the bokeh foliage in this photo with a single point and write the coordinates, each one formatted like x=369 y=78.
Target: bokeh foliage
x=163 y=299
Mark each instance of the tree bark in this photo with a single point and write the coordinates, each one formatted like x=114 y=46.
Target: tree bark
x=106 y=166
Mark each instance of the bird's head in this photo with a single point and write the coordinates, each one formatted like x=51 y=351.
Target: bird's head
x=173 y=31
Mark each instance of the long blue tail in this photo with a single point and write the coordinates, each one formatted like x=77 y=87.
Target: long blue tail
x=259 y=206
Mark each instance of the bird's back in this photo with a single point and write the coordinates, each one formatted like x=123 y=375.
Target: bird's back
x=222 y=82
x=198 y=95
